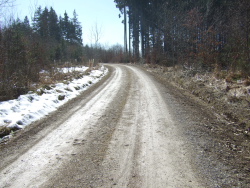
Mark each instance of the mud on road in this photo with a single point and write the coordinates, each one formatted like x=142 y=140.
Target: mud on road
x=129 y=130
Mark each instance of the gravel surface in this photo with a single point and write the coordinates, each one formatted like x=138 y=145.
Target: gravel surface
x=129 y=130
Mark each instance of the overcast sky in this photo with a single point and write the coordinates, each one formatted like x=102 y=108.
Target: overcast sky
x=102 y=12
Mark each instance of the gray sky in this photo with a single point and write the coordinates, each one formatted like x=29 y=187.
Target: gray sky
x=102 y=12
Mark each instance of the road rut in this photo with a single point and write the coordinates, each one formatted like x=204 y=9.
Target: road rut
x=121 y=134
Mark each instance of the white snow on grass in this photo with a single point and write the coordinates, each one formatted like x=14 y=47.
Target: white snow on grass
x=30 y=107
x=71 y=69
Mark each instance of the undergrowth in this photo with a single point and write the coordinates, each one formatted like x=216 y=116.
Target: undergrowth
x=47 y=78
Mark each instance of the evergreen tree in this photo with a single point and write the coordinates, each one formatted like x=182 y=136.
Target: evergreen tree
x=54 y=28
x=201 y=31
x=60 y=24
x=25 y=48
x=44 y=24
x=26 y=22
x=77 y=29
x=36 y=20
x=66 y=27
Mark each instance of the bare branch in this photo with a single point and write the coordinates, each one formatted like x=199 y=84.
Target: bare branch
x=5 y=13
x=96 y=33
x=6 y=3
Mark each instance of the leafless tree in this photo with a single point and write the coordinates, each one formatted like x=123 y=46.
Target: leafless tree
x=5 y=4
x=32 y=8
x=4 y=9
x=96 y=33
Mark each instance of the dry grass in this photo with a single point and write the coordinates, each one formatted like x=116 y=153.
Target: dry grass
x=228 y=94
x=54 y=76
x=4 y=131
x=49 y=77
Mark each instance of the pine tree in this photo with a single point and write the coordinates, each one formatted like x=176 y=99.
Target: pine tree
x=66 y=27
x=77 y=29
x=36 y=20
x=26 y=22
x=44 y=24
x=54 y=28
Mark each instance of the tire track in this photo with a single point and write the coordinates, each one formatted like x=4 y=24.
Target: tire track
x=122 y=135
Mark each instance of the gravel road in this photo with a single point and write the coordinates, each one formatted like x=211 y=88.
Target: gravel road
x=126 y=131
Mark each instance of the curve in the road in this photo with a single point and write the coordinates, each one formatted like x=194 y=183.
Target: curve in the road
x=120 y=135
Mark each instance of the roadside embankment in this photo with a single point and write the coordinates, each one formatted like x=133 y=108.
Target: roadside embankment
x=229 y=100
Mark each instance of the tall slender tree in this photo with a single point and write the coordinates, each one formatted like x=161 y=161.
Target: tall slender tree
x=54 y=28
x=77 y=28
x=212 y=33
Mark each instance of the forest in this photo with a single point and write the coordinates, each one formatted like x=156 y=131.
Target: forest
x=44 y=43
x=211 y=35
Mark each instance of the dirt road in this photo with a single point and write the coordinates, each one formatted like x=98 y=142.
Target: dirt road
x=126 y=131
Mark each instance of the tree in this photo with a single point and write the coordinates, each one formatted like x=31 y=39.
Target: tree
x=212 y=33
x=36 y=19
x=125 y=31
x=26 y=49
x=5 y=4
x=54 y=28
x=96 y=33
x=77 y=29
x=44 y=24
x=26 y=22
x=66 y=27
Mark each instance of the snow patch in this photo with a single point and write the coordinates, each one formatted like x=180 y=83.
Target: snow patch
x=35 y=105
x=72 y=69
